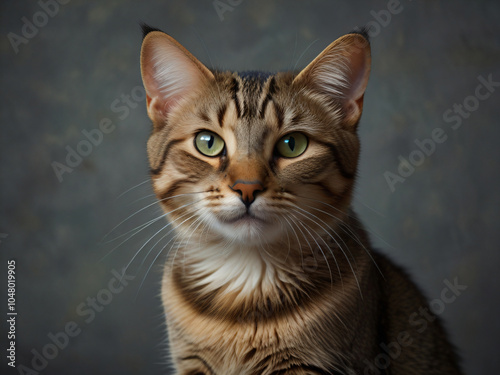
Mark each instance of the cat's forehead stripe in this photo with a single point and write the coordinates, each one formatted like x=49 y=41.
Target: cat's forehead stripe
x=252 y=90
x=235 y=87
x=280 y=115
x=268 y=97
x=251 y=93
x=220 y=114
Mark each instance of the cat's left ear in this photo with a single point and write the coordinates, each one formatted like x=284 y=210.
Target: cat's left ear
x=170 y=74
x=339 y=75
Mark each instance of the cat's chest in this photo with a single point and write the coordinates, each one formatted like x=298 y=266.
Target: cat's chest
x=261 y=339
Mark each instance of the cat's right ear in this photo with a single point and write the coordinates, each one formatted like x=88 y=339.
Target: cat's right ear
x=170 y=74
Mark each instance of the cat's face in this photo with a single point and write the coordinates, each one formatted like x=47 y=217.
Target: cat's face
x=253 y=159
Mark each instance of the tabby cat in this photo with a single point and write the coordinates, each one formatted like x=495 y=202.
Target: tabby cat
x=271 y=272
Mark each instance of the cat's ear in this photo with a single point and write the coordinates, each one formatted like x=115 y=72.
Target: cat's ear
x=169 y=73
x=339 y=75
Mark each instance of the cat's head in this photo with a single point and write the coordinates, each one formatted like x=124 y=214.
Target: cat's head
x=254 y=158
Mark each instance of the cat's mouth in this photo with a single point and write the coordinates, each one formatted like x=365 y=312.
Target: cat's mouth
x=245 y=218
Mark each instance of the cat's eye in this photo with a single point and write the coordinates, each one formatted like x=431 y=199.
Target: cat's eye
x=208 y=143
x=292 y=145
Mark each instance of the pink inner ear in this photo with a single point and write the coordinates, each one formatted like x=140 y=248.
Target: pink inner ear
x=340 y=73
x=357 y=74
x=170 y=73
x=161 y=107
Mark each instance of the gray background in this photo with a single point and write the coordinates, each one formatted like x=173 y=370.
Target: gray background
x=441 y=223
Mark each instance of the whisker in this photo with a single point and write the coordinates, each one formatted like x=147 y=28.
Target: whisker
x=173 y=240
x=288 y=240
x=157 y=256
x=333 y=230
x=176 y=251
x=142 y=198
x=297 y=237
x=331 y=276
x=132 y=188
x=303 y=53
x=267 y=252
x=328 y=205
x=370 y=208
x=342 y=224
x=153 y=236
x=341 y=249
x=200 y=220
x=305 y=238
x=165 y=235
x=294 y=51
x=189 y=238
x=149 y=205
x=320 y=249
x=203 y=232
x=350 y=216
x=351 y=234
x=148 y=224
x=181 y=242
x=331 y=252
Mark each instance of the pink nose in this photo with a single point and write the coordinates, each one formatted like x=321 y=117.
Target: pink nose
x=247 y=189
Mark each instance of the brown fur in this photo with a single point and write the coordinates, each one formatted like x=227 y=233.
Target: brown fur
x=283 y=280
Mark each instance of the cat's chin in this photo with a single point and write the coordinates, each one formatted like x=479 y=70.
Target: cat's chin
x=247 y=229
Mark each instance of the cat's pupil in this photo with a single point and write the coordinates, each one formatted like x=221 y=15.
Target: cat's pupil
x=210 y=142
x=291 y=143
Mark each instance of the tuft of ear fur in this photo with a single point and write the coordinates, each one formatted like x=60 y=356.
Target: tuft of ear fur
x=339 y=75
x=146 y=29
x=170 y=74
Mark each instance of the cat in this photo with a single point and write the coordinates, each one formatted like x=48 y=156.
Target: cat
x=271 y=272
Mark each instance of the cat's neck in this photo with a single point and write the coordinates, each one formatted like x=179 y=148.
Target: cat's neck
x=241 y=268
x=238 y=278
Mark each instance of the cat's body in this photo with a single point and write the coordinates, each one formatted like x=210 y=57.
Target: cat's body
x=271 y=272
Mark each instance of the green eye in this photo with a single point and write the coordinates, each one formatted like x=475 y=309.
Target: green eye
x=292 y=145
x=208 y=143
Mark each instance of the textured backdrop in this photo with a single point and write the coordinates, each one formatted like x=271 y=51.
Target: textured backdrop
x=73 y=136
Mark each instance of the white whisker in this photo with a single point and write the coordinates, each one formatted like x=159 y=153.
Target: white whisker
x=147 y=225
x=319 y=247
x=142 y=198
x=157 y=256
x=153 y=236
x=296 y=236
x=351 y=233
x=342 y=224
x=341 y=249
x=149 y=205
x=132 y=188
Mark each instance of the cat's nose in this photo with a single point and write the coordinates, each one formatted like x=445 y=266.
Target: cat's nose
x=248 y=190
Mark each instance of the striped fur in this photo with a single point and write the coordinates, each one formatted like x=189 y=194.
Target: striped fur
x=287 y=283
